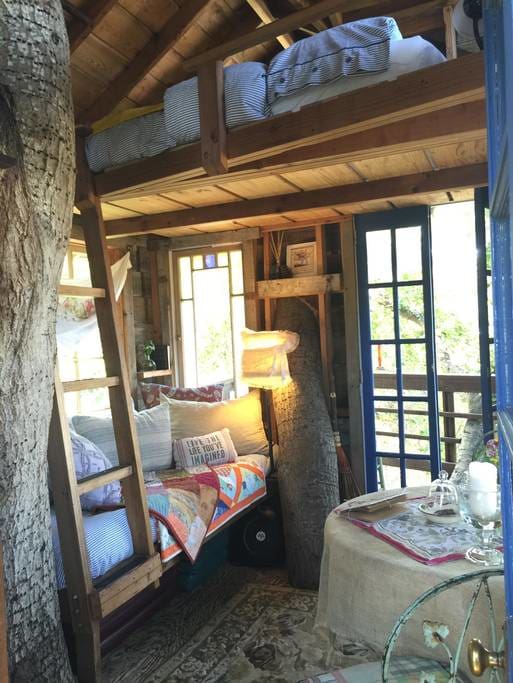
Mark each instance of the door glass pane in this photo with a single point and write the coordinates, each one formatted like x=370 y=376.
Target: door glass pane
x=210 y=261
x=411 y=312
x=381 y=307
x=418 y=472
x=236 y=272
x=213 y=325
x=222 y=259
x=384 y=367
x=409 y=254
x=387 y=426
x=197 y=262
x=413 y=359
x=379 y=256
x=184 y=267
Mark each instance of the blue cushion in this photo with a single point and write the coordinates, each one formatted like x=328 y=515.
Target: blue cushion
x=345 y=50
x=90 y=460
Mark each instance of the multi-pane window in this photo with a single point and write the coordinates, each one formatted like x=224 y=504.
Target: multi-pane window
x=210 y=315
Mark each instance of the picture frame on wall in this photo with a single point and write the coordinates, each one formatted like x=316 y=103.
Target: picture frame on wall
x=302 y=259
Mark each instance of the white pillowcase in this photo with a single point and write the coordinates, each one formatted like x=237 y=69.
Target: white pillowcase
x=210 y=449
x=242 y=416
x=153 y=429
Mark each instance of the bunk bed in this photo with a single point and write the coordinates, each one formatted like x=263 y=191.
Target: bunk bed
x=425 y=103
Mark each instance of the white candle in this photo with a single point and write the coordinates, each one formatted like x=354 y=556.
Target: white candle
x=483 y=489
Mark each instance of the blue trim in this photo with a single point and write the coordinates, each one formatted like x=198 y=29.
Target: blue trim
x=393 y=221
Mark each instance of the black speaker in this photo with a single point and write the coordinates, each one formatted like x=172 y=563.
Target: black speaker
x=257 y=539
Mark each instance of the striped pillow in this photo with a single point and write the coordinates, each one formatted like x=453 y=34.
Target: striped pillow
x=345 y=50
x=244 y=101
x=153 y=429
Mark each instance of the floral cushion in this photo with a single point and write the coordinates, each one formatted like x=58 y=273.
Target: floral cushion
x=89 y=459
x=212 y=393
x=402 y=670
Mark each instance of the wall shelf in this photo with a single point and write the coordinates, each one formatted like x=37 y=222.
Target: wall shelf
x=148 y=374
x=300 y=286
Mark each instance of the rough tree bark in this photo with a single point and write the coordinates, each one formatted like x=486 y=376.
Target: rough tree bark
x=307 y=471
x=36 y=200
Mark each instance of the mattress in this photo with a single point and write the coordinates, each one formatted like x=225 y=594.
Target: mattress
x=409 y=54
x=179 y=124
x=107 y=535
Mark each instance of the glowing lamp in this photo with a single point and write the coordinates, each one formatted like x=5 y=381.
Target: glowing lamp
x=264 y=358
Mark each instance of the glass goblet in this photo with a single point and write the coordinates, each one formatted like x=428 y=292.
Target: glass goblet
x=482 y=510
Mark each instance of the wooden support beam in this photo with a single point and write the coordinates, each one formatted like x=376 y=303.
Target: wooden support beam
x=211 y=239
x=321 y=9
x=211 y=109
x=80 y=28
x=306 y=285
x=183 y=19
x=418 y=183
x=433 y=103
x=451 y=51
x=249 y=271
x=155 y=298
x=413 y=18
x=418 y=92
x=261 y=9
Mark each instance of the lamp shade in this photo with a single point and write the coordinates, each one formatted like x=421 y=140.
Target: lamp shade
x=264 y=357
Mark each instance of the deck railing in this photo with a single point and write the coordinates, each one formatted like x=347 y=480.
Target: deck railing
x=448 y=386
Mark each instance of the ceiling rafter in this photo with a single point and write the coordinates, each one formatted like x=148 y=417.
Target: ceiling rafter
x=85 y=19
x=147 y=58
x=460 y=177
x=261 y=9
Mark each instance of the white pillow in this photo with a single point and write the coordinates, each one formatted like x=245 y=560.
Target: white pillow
x=242 y=416
x=153 y=429
x=211 y=449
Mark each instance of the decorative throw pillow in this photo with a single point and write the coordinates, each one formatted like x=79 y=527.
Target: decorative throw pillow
x=242 y=416
x=210 y=393
x=210 y=449
x=89 y=460
x=153 y=430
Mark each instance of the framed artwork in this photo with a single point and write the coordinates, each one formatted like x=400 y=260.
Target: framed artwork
x=302 y=259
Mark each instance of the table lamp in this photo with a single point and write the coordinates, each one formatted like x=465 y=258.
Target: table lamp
x=265 y=366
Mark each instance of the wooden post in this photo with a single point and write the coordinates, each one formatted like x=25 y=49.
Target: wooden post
x=251 y=304
x=449 y=425
x=213 y=129
x=451 y=51
x=129 y=332
x=353 y=361
x=268 y=310
x=155 y=297
x=324 y=314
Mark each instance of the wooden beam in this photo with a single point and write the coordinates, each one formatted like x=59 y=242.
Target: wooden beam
x=261 y=9
x=249 y=272
x=152 y=52
x=418 y=92
x=411 y=16
x=424 y=100
x=388 y=188
x=211 y=110
x=307 y=285
x=451 y=50
x=276 y=28
x=79 y=28
x=212 y=239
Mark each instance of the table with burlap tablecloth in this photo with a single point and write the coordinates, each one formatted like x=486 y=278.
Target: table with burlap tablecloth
x=366 y=583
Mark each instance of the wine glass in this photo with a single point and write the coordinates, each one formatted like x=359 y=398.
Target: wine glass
x=482 y=510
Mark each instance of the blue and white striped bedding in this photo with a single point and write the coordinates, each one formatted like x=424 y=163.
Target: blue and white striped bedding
x=343 y=54
x=107 y=535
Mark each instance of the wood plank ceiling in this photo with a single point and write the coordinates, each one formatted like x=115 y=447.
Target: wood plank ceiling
x=125 y=53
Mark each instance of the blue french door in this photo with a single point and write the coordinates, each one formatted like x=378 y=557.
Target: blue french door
x=397 y=343
x=498 y=21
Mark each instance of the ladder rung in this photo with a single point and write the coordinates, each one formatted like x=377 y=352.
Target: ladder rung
x=76 y=290
x=107 y=599
x=96 y=480
x=93 y=383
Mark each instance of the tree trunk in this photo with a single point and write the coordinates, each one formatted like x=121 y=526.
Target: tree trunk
x=36 y=201
x=307 y=468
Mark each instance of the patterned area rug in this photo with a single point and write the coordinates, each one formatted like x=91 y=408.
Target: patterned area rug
x=243 y=626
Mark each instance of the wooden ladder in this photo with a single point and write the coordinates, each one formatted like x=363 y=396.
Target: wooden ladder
x=89 y=602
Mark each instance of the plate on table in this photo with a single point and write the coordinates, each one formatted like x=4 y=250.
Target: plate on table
x=445 y=517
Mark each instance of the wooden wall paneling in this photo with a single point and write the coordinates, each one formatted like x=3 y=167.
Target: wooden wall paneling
x=212 y=123
x=268 y=303
x=164 y=271
x=352 y=333
x=249 y=266
x=80 y=28
x=129 y=332
x=155 y=297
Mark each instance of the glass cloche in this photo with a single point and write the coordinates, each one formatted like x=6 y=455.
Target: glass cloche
x=441 y=504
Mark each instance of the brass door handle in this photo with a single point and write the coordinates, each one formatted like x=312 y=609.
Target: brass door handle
x=480 y=659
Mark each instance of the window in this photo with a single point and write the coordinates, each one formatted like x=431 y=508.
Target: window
x=80 y=353
x=210 y=315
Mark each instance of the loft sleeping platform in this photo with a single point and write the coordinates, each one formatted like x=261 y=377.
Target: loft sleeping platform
x=417 y=82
